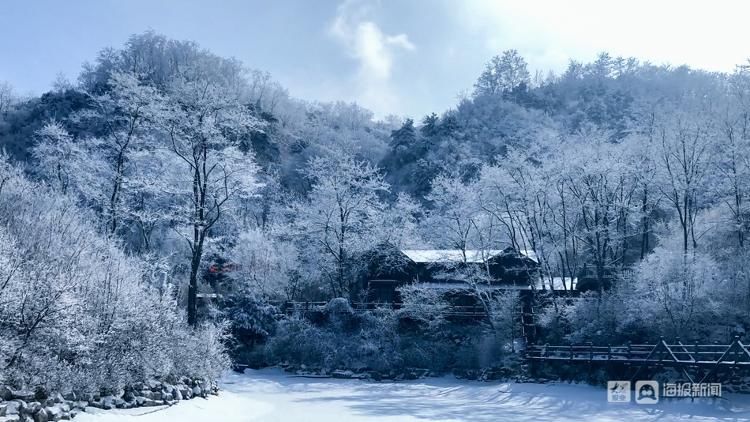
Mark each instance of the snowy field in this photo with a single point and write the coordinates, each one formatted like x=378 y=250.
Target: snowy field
x=271 y=395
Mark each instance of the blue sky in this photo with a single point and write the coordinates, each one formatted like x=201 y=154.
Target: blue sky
x=408 y=57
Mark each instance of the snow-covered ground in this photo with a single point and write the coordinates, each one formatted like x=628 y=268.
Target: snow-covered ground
x=271 y=395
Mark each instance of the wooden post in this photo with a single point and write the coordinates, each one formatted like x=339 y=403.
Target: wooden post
x=609 y=352
x=630 y=345
x=696 y=355
x=737 y=353
x=661 y=341
x=591 y=351
x=570 y=349
x=742 y=347
x=717 y=342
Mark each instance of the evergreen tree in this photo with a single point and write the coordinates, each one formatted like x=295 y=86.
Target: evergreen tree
x=429 y=125
x=405 y=136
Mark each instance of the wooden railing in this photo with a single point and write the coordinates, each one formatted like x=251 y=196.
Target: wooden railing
x=677 y=354
x=469 y=311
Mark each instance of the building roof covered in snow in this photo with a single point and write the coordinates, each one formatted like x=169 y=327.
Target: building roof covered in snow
x=452 y=269
x=457 y=255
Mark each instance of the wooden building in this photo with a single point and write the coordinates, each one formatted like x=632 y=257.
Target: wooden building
x=388 y=268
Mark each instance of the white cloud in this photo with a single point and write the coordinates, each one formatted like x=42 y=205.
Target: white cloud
x=401 y=40
x=708 y=35
x=375 y=53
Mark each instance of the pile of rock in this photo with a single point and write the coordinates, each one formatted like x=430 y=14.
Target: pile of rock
x=39 y=406
x=359 y=373
x=500 y=373
x=25 y=405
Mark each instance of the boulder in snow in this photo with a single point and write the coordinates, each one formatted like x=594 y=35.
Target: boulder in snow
x=54 y=412
x=41 y=416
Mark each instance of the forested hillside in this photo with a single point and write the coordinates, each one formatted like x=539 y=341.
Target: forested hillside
x=192 y=176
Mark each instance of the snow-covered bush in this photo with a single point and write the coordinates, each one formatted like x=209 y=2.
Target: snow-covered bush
x=674 y=294
x=345 y=339
x=378 y=344
x=199 y=352
x=297 y=340
x=425 y=306
x=419 y=335
x=669 y=294
x=250 y=322
x=504 y=307
x=595 y=316
x=76 y=312
x=340 y=314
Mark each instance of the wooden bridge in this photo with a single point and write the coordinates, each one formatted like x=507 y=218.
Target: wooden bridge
x=697 y=362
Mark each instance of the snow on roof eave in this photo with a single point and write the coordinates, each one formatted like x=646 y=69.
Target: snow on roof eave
x=456 y=255
x=529 y=254
x=571 y=283
x=467 y=286
x=448 y=255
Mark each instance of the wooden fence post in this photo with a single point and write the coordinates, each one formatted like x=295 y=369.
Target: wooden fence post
x=661 y=343
x=630 y=345
x=737 y=353
x=696 y=355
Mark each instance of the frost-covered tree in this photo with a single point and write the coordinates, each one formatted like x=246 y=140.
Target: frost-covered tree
x=675 y=295
x=398 y=224
x=520 y=197
x=424 y=305
x=265 y=263
x=504 y=307
x=146 y=194
x=685 y=139
x=8 y=98
x=640 y=151
x=503 y=73
x=455 y=221
x=339 y=215
x=732 y=154
x=602 y=188
x=204 y=122
x=72 y=166
x=126 y=115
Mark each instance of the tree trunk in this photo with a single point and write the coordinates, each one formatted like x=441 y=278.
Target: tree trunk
x=114 y=198
x=644 y=224
x=195 y=263
x=197 y=245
